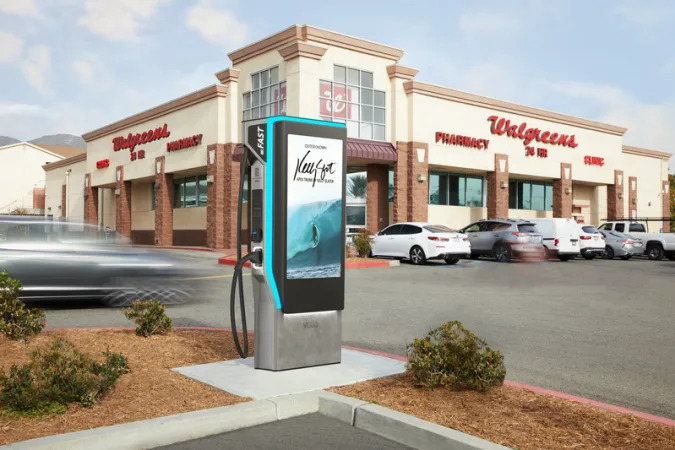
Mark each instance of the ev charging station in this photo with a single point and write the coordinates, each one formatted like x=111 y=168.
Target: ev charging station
x=297 y=204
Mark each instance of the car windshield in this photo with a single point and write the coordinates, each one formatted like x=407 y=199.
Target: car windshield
x=439 y=229
x=527 y=228
x=590 y=229
x=618 y=235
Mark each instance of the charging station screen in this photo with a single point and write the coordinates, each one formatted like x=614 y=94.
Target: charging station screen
x=314 y=207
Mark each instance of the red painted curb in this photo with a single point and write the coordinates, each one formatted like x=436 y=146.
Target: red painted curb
x=227 y=261
x=535 y=389
x=195 y=249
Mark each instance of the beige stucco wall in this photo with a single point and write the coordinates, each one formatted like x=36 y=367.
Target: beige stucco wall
x=529 y=214
x=142 y=215
x=455 y=217
x=650 y=173
x=21 y=171
x=106 y=206
x=189 y=218
x=54 y=181
x=202 y=118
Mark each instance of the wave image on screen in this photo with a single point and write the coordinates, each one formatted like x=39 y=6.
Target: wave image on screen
x=314 y=240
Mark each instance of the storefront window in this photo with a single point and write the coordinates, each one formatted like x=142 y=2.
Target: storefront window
x=190 y=192
x=530 y=195
x=391 y=186
x=455 y=190
x=267 y=96
x=351 y=99
x=357 y=185
x=356 y=215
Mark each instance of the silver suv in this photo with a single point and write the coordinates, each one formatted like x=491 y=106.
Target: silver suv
x=504 y=239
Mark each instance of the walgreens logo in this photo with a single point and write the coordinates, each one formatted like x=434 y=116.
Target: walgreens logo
x=501 y=126
x=132 y=140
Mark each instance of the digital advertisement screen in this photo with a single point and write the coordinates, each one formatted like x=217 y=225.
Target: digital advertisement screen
x=314 y=207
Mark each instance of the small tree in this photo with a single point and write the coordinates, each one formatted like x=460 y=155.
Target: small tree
x=17 y=321
x=149 y=316
x=362 y=243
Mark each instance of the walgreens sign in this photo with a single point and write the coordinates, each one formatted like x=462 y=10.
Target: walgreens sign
x=501 y=126
x=334 y=103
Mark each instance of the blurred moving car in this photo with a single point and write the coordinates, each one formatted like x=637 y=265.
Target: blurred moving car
x=621 y=245
x=420 y=242
x=65 y=260
x=560 y=236
x=591 y=242
x=504 y=239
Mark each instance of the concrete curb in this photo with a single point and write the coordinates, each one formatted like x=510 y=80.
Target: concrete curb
x=152 y=433
x=230 y=261
x=398 y=427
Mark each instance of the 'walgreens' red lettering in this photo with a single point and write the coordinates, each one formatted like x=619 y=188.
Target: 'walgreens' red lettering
x=501 y=126
x=132 y=140
x=192 y=141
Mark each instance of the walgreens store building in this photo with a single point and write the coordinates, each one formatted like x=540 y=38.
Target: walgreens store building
x=416 y=151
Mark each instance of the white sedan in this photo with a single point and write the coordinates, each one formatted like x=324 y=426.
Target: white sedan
x=420 y=242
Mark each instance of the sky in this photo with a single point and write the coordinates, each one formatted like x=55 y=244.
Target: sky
x=71 y=66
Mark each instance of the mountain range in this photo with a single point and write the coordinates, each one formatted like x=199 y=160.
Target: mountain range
x=67 y=140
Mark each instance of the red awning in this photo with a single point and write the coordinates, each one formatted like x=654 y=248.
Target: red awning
x=356 y=148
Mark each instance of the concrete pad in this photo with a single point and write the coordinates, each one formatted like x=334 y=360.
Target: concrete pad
x=238 y=376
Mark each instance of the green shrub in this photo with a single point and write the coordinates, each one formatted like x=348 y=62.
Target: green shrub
x=17 y=321
x=453 y=357
x=362 y=243
x=56 y=376
x=149 y=316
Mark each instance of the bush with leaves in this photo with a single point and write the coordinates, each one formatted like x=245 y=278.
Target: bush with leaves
x=453 y=357
x=149 y=316
x=17 y=321
x=362 y=243
x=56 y=376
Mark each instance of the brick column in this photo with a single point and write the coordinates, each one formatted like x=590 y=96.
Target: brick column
x=223 y=196
x=90 y=201
x=163 y=187
x=63 y=200
x=122 y=204
x=498 y=196
x=665 y=192
x=562 y=192
x=401 y=183
x=418 y=191
x=632 y=197
x=615 y=197
x=377 y=198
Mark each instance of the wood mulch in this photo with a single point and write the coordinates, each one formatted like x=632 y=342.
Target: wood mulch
x=516 y=418
x=149 y=390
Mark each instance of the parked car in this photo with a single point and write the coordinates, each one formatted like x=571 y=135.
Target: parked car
x=591 y=242
x=420 y=242
x=656 y=245
x=619 y=244
x=560 y=236
x=504 y=239
x=62 y=260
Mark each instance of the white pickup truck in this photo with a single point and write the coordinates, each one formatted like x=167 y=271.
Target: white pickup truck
x=656 y=245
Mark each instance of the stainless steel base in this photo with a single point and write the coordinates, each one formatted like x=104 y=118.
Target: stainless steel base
x=291 y=341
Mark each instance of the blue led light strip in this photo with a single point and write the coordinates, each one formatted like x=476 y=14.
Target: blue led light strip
x=269 y=194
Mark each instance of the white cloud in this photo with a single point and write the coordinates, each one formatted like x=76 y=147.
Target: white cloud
x=19 y=7
x=217 y=26
x=84 y=70
x=649 y=124
x=21 y=109
x=488 y=24
x=37 y=66
x=10 y=47
x=644 y=14
x=117 y=20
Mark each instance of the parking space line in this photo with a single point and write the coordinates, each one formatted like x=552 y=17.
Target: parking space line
x=213 y=277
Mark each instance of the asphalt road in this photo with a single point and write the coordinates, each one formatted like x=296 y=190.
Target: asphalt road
x=310 y=431
x=598 y=329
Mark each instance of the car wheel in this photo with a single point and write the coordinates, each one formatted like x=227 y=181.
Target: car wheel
x=588 y=255
x=451 y=260
x=126 y=291
x=417 y=255
x=502 y=253
x=609 y=252
x=625 y=257
x=655 y=252
x=474 y=255
x=564 y=257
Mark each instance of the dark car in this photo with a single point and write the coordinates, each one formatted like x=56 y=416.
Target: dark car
x=63 y=260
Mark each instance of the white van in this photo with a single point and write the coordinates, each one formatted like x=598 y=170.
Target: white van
x=560 y=236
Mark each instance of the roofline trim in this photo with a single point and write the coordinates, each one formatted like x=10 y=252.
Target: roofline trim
x=35 y=146
x=213 y=91
x=416 y=87
x=65 y=162
x=629 y=149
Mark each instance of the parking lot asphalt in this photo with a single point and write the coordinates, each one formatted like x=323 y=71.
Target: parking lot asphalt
x=597 y=329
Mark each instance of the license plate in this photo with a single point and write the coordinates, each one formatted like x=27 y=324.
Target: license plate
x=574 y=243
x=596 y=238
